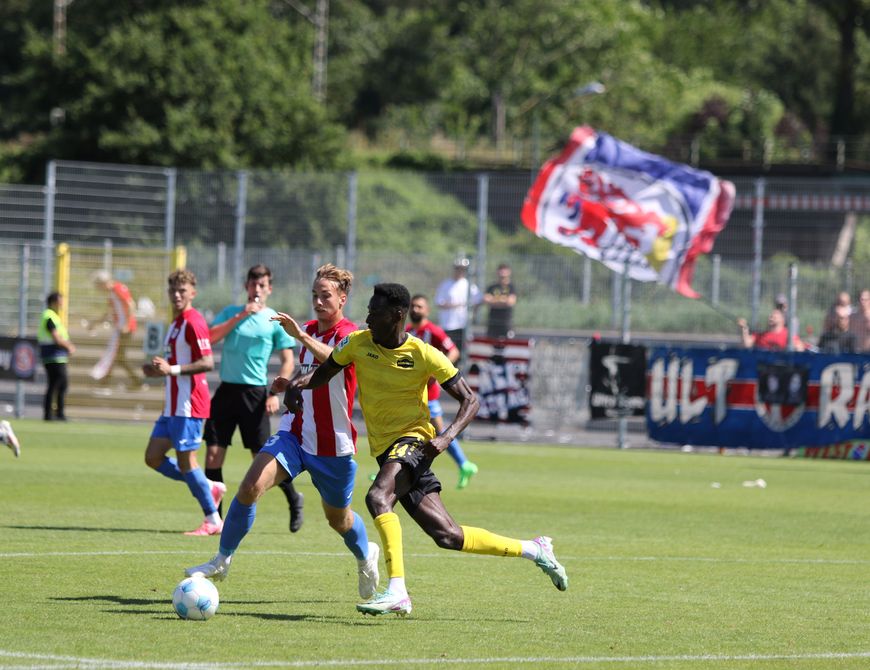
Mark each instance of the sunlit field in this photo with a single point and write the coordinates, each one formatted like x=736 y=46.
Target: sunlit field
x=673 y=563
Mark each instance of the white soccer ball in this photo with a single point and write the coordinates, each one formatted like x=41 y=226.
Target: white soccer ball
x=195 y=598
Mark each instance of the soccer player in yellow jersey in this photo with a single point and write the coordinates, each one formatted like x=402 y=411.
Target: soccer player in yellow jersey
x=393 y=368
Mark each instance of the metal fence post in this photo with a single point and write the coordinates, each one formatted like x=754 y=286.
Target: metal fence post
x=482 y=209
x=222 y=264
x=615 y=298
x=757 y=242
x=717 y=269
x=169 y=209
x=107 y=255
x=625 y=337
x=48 y=230
x=586 y=288
x=792 y=304
x=241 y=213
x=23 y=290
x=848 y=279
x=352 y=194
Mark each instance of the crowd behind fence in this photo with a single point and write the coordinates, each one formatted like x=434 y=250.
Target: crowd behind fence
x=293 y=222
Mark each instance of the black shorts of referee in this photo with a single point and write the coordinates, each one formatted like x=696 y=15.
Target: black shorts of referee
x=239 y=405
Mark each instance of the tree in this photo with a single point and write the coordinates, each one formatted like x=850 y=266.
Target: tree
x=217 y=84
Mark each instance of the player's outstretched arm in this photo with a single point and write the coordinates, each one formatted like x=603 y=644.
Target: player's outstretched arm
x=468 y=406
x=311 y=380
x=319 y=350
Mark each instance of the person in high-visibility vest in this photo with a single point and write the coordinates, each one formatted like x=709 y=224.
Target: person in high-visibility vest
x=54 y=350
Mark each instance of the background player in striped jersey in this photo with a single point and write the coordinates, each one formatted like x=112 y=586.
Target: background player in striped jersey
x=186 y=406
x=319 y=438
x=434 y=334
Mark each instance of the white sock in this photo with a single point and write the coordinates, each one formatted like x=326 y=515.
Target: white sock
x=213 y=518
x=530 y=550
x=397 y=586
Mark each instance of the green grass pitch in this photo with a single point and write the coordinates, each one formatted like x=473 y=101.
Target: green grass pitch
x=667 y=570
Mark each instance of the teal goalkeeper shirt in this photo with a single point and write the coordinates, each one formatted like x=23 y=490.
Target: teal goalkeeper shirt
x=248 y=347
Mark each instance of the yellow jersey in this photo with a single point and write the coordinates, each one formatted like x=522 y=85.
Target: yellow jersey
x=392 y=385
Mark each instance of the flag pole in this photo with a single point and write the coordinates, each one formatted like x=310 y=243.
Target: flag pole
x=625 y=337
x=721 y=312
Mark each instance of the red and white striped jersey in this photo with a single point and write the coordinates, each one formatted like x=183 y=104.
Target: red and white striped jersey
x=324 y=426
x=432 y=334
x=187 y=341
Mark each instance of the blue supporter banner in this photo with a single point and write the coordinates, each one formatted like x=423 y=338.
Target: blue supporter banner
x=18 y=358
x=756 y=399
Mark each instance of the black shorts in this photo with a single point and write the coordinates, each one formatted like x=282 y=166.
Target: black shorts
x=239 y=405
x=407 y=451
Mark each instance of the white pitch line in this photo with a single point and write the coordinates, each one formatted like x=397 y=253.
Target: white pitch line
x=99 y=663
x=341 y=554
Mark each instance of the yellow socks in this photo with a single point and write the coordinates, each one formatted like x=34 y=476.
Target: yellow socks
x=391 y=539
x=481 y=541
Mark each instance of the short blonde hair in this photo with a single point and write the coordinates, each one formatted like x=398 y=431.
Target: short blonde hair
x=182 y=276
x=342 y=278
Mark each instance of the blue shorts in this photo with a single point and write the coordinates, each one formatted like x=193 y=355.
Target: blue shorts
x=184 y=432
x=332 y=476
x=435 y=409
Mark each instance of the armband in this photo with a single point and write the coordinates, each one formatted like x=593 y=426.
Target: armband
x=174 y=370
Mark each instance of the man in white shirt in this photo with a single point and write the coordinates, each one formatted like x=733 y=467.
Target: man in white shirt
x=453 y=298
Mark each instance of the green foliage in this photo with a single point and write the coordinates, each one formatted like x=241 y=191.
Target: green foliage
x=412 y=214
x=214 y=84
x=861 y=245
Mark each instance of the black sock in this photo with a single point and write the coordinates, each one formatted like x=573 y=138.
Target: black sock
x=289 y=490
x=216 y=475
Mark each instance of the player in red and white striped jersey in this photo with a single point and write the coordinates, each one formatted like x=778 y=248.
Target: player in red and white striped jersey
x=186 y=407
x=324 y=427
x=320 y=438
x=434 y=334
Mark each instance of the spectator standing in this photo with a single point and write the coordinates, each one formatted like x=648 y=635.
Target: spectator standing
x=54 y=350
x=242 y=399
x=453 y=298
x=501 y=298
x=837 y=338
x=122 y=310
x=774 y=338
x=859 y=322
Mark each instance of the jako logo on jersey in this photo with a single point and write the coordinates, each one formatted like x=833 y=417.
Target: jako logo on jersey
x=371 y=355
x=406 y=363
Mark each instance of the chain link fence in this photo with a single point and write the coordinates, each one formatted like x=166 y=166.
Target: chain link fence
x=408 y=227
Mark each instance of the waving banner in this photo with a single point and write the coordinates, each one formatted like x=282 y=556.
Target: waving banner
x=757 y=399
x=617 y=204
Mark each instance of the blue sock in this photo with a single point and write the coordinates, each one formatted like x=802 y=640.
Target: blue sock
x=239 y=520
x=456 y=453
x=356 y=539
x=198 y=485
x=169 y=468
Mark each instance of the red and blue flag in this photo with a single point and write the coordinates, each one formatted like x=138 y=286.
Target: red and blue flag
x=622 y=206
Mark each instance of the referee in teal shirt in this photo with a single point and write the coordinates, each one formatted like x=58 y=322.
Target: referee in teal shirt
x=242 y=399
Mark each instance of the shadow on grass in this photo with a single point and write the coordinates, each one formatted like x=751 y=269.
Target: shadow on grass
x=94 y=529
x=137 y=607
x=145 y=606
